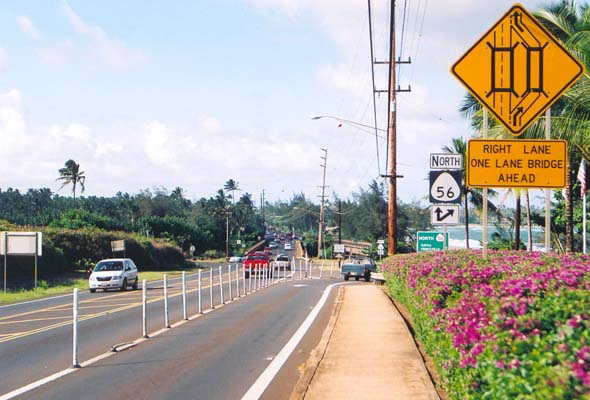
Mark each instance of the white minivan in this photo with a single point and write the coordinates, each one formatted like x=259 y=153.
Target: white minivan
x=114 y=273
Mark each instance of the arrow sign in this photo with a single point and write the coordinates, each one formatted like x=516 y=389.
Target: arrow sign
x=444 y=214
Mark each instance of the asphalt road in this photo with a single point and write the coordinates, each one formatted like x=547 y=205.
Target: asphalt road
x=217 y=355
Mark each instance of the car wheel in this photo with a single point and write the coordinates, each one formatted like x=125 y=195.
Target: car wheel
x=104 y=290
x=124 y=286
x=135 y=284
x=247 y=275
x=92 y=290
x=356 y=278
x=346 y=277
x=368 y=277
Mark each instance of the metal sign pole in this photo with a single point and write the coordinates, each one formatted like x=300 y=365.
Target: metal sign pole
x=548 y=191
x=36 y=252
x=484 y=227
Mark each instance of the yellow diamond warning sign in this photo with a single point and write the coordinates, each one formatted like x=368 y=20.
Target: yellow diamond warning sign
x=516 y=163
x=517 y=69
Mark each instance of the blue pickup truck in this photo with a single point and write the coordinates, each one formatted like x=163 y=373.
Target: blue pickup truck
x=358 y=268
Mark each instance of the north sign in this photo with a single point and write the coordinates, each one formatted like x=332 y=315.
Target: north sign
x=431 y=241
x=444 y=214
x=516 y=163
x=446 y=161
x=517 y=69
x=445 y=186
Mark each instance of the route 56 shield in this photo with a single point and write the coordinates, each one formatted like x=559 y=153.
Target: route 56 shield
x=445 y=186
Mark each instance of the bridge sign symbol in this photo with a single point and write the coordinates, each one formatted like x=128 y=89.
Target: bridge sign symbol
x=517 y=69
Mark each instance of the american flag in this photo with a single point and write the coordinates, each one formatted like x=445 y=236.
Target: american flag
x=582 y=177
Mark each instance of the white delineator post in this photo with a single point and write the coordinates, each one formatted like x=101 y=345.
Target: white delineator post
x=331 y=268
x=144 y=307
x=231 y=296
x=75 y=330
x=238 y=280
x=166 y=315
x=199 y=290
x=211 y=305
x=221 y=285
x=300 y=270
x=184 y=315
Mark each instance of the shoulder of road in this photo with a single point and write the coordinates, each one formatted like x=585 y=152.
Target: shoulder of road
x=366 y=352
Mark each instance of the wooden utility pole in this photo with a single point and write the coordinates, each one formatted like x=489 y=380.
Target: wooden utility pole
x=391 y=173
x=321 y=227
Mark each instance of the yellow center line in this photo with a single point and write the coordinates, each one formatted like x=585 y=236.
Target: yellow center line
x=13 y=336
x=33 y=320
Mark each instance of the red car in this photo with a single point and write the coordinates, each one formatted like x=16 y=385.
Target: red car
x=256 y=262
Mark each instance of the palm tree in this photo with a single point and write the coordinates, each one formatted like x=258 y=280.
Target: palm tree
x=231 y=186
x=570 y=24
x=71 y=174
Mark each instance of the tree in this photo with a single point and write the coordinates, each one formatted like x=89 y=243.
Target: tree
x=231 y=186
x=71 y=174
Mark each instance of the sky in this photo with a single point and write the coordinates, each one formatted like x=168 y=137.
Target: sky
x=192 y=93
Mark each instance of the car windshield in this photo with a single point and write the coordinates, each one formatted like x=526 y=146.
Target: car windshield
x=282 y=259
x=109 y=266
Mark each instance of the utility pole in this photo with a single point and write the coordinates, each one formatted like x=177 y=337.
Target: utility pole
x=262 y=212
x=392 y=199
x=391 y=134
x=321 y=227
x=339 y=221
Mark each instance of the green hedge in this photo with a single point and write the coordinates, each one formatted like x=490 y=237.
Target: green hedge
x=69 y=250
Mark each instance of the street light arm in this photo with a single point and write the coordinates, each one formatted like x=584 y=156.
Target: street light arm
x=353 y=123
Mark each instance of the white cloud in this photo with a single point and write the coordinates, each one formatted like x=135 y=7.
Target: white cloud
x=112 y=52
x=157 y=143
x=77 y=131
x=27 y=26
x=107 y=149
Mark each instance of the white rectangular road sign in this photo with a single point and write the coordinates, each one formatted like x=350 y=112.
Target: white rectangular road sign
x=446 y=161
x=444 y=214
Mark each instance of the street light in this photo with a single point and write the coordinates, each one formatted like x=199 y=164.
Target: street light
x=391 y=174
x=349 y=122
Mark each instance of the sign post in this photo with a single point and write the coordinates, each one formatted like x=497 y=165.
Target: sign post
x=21 y=244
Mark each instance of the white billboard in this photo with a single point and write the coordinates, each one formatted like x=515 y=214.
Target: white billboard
x=21 y=243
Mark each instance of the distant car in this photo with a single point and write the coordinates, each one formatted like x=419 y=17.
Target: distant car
x=273 y=245
x=256 y=263
x=114 y=273
x=288 y=246
x=282 y=262
x=236 y=259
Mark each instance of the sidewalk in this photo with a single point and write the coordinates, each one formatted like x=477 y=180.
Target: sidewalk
x=369 y=354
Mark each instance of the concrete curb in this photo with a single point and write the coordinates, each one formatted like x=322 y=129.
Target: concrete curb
x=317 y=354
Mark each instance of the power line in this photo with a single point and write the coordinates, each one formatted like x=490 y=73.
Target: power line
x=373 y=86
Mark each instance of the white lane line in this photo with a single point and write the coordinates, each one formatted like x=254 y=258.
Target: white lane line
x=274 y=367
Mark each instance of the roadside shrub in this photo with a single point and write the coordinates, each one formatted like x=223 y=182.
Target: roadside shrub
x=514 y=325
x=210 y=254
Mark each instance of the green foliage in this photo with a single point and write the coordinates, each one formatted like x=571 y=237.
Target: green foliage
x=513 y=325
x=78 y=219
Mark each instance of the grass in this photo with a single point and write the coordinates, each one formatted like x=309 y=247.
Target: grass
x=43 y=290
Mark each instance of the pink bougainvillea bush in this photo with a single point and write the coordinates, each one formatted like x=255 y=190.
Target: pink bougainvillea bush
x=513 y=325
